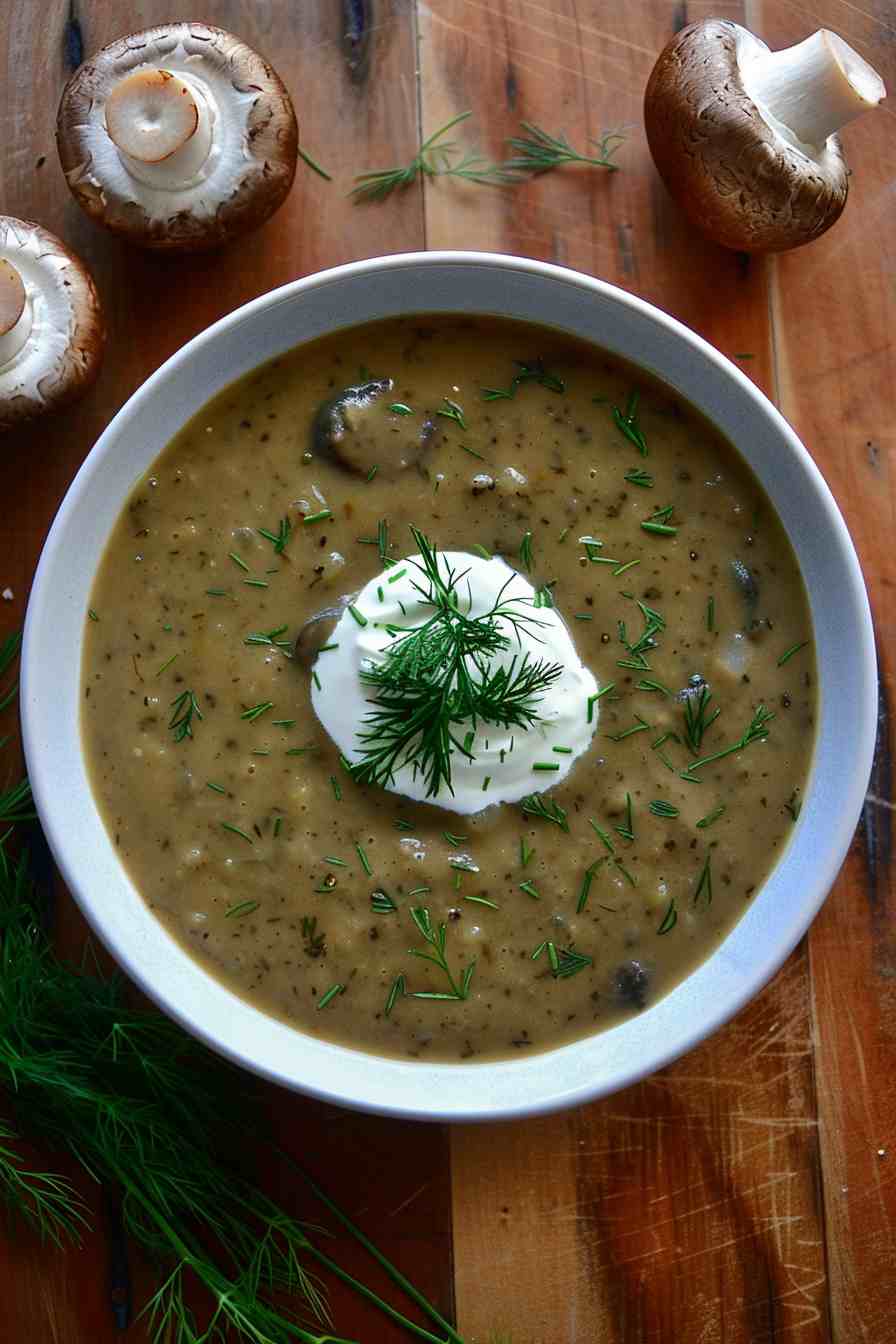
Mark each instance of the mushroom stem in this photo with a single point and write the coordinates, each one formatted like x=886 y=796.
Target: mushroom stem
x=16 y=317
x=162 y=126
x=813 y=88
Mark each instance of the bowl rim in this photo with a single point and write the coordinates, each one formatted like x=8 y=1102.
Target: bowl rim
x=423 y=1102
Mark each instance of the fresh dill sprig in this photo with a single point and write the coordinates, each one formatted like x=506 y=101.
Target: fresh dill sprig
x=435 y=938
x=184 y=709
x=539 y=152
x=536 y=805
x=563 y=961
x=437 y=675
x=436 y=157
x=654 y=624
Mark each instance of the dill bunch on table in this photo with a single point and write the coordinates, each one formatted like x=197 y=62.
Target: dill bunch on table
x=151 y=1114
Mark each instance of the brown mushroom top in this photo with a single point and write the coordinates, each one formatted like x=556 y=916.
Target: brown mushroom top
x=738 y=180
x=51 y=352
x=248 y=121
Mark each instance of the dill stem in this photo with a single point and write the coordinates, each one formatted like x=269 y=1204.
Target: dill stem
x=371 y=1296
x=394 y=1274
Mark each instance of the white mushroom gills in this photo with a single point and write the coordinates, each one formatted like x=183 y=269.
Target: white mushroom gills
x=16 y=314
x=162 y=125
x=809 y=91
x=503 y=766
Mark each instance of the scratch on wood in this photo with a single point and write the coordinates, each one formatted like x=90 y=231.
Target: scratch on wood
x=410 y=1199
x=877 y=821
x=358 y=19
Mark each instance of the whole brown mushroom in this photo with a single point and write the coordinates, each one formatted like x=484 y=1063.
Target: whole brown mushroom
x=51 y=326
x=177 y=138
x=745 y=138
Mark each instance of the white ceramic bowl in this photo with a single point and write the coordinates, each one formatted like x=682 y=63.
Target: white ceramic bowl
x=51 y=669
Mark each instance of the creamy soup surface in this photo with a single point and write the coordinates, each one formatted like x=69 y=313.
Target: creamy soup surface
x=313 y=896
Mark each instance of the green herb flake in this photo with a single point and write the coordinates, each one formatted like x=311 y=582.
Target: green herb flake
x=241 y=909
x=335 y=786
x=660 y=808
x=399 y=408
x=627 y=423
x=357 y=615
x=215 y=788
x=670 y=918
x=786 y=656
x=330 y=995
x=365 y=862
x=712 y=816
x=530 y=889
x=256 y=711
x=237 y=561
x=92 y=614
x=235 y=830
x=398 y=991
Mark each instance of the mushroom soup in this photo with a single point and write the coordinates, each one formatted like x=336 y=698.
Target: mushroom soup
x=448 y=688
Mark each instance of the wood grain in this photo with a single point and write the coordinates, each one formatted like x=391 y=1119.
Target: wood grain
x=837 y=389
x=392 y=1177
x=746 y=1194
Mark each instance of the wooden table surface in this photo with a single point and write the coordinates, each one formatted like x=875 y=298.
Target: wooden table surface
x=747 y=1193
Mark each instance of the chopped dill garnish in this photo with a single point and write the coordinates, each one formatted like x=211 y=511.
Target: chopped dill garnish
x=454 y=840
x=697 y=718
x=670 y=918
x=546 y=765
x=712 y=816
x=217 y=592
x=482 y=900
x=627 y=423
x=564 y=962
x=235 y=830
x=321 y=516
x=269 y=638
x=165 y=666
x=419 y=891
x=280 y=538
x=242 y=908
x=660 y=808
x=593 y=699
x=256 y=711
x=620 y=867
x=639 y=727
x=562 y=751
x=398 y=991
x=382 y=903
x=399 y=408
x=256 y=583
x=526 y=551
x=583 y=616
x=402 y=825
x=330 y=995
x=215 y=788
x=365 y=862
x=314 y=939
x=278 y=823
x=623 y=569
x=92 y=614
x=530 y=371
x=481 y=551
x=356 y=615
x=648 y=684
x=453 y=412
x=602 y=835
x=530 y=889
x=335 y=786
x=526 y=852
x=436 y=939
x=185 y=708
x=627 y=831
x=638 y=477
x=544 y=597
x=785 y=657
x=757 y=731
x=658 y=522
x=536 y=805
x=587 y=879
x=237 y=561
x=704 y=882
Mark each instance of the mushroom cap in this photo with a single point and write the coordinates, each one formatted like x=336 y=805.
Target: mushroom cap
x=245 y=178
x=735 y=177
x=61 y=358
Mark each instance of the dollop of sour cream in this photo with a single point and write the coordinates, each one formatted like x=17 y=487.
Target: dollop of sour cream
x=503 y=768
